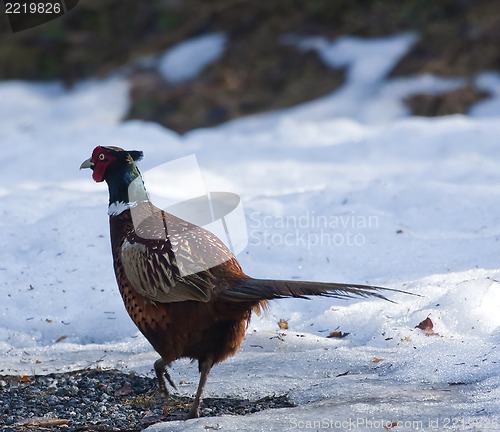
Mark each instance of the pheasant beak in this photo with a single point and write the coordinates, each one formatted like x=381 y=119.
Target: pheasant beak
x=87 y=164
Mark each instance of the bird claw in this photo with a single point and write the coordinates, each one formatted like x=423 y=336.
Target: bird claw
x=170 y=381
x=162 y=374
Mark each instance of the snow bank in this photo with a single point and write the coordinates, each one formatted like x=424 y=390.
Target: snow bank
x=185 y=61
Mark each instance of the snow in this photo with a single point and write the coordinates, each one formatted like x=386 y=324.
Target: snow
x=367 y=96
x=186 y=60
x=489 y=82
x=367 y=65
x=348 y=188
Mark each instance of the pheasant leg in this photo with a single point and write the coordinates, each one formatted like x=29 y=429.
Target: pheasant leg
x=205 y=367
x=162 y=373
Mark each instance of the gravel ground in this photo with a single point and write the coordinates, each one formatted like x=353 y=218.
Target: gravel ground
x=103 y=400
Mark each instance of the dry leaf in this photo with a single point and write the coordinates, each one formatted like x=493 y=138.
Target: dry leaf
x=42 y=422
x=391 y=425
x=337 y=334
x=377 y=359
x=124 y=391
x=37 y=362
x=283 y=324
x=426 y=323
x=61 y=338
x=213 y=427
x=25 y=379
x=427 y=326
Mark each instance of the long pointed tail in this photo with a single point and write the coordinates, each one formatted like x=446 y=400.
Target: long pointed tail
x=268 y=289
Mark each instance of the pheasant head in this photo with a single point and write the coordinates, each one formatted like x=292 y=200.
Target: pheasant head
x=117 y=167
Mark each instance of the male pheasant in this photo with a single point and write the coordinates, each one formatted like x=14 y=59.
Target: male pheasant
x=183 y=308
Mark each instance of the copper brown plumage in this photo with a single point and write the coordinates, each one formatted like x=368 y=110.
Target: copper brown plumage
x=182 y=287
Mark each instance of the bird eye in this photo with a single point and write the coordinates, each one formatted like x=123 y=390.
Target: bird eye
x=102 y=157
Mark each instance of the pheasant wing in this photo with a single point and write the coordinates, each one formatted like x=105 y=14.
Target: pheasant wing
x=167 y=259
x=153 y=275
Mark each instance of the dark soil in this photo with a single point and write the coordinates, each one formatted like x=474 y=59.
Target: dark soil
x=257 y=73
x=452 y=102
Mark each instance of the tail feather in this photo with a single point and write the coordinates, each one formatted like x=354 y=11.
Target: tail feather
x=268 y=289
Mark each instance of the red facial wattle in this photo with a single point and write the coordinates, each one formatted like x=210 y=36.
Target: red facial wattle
x=101 y=159
x=99 y=171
